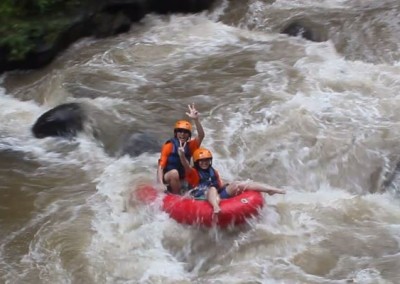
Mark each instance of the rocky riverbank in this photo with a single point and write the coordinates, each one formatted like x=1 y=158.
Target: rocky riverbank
x=32 y=35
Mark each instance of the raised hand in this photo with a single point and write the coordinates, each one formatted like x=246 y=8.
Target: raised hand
x=193 y=113
x=181 y=149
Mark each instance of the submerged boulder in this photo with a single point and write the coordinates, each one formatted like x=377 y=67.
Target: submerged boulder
x=65 y=120
x=173 y=6
x=298 y=30
x=138 y=143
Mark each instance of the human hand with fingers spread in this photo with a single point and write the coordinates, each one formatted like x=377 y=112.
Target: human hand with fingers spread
x=193 y=113
x=181 y=149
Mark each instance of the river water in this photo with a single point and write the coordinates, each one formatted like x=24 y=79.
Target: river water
x=319 y=119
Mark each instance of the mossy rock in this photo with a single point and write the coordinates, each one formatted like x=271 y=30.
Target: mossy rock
x=33 y=32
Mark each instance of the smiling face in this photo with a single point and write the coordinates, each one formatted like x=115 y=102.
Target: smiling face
x=204 y=163
x=182 y=134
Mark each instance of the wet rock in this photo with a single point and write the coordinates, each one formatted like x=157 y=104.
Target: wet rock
x=186 y=6
x=135 y=10
x=44 y=51
x=65 y=120
x=111 y=24
x=298 y=29
x=139 y=143
x=391 y=180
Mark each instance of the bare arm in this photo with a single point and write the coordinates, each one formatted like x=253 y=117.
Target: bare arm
x=160 y=172
x=162 y=163
x=195 y=115
x=200 y=130
x=185 y=163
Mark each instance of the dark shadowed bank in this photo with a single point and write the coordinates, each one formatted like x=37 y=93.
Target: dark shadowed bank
x=33 y=32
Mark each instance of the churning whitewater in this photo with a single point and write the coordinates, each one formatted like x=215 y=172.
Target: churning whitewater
x=318 y=118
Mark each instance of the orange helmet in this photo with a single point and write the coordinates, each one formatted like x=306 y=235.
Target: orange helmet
x=201 y=153
x=183 y=124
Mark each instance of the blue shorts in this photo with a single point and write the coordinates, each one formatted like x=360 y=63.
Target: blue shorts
x=223 y=194
x=200 y=193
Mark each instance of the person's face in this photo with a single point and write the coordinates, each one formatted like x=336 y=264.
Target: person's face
x=182 y=134
x=204 y=163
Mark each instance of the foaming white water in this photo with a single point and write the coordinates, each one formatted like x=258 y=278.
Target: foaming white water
x=128 y=241
x=16 y=115
x=136 y=242
x=197 y=31
x=49 y=189
x=218 y=11
x=17 y=119
x=310 y=4
x=276 y=110
x=338 y=109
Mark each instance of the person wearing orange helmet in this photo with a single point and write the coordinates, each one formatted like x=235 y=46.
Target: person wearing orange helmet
x=206 y=182
x=170 y=169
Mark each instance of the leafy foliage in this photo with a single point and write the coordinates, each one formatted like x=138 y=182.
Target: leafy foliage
x=22 y=22
x=19 y=8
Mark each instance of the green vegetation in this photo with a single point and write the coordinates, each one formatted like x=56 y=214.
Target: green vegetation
x=24 y=22
x=12 y=8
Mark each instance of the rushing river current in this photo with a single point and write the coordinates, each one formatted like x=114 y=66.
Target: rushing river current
x=318 y=118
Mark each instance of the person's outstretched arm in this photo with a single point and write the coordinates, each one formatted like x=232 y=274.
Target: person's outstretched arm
x=162 y=162
x=195 y=115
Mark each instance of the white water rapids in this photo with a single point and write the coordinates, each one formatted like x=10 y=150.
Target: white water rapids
x=319 y=119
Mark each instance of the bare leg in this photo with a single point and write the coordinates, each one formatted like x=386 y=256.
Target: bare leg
x=213 y=198
x=238 y=187
x=172 y=178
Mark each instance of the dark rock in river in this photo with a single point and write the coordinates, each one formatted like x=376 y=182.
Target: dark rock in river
x=305 y=29
x=65 y=120
x=139 y=143
x=297 y=29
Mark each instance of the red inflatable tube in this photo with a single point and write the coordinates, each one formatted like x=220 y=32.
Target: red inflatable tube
x=234 y=210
